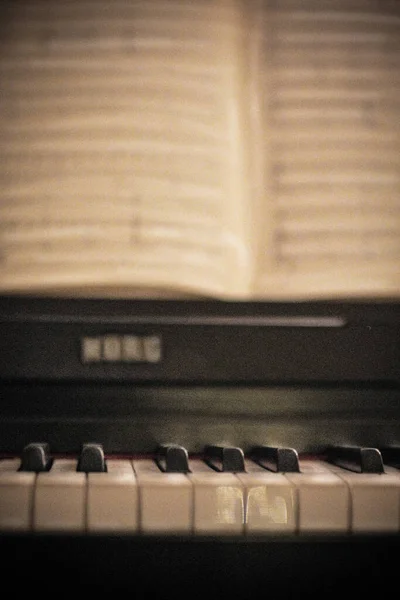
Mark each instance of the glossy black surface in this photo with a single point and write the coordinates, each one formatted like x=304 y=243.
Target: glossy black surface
x=358 y=460
x=278 y=460
x=35 y=457
x=225 y=459
x=91 y=459
x=172 y=458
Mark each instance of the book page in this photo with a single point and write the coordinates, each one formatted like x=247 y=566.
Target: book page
x=329 y=80
x=122 y=151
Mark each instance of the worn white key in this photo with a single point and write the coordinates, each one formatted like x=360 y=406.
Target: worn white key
x=112 y=498
x=218 y=505
x=60 y=498
x=375 y=499
x=323 y=499
x=165 y=499
x=270 y=500
x=16 y=496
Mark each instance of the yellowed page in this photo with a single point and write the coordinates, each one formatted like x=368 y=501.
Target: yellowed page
x=330 y=115
x=122 y=147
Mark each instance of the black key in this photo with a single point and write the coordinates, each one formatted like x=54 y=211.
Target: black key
x=91 y=459
x=172 y=458
x=228 y=459
x=391 y=456
x=35 y=458
x=278 y=460
x=356 y=459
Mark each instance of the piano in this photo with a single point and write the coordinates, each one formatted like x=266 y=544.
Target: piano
x=173 y=443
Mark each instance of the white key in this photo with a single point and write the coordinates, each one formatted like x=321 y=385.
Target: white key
x=16 y=496
x=218 y=500
x=375 y=500
x=112 y=498
x=323 y=498
x=60 y=498
x=165 y=499
x=270 y=501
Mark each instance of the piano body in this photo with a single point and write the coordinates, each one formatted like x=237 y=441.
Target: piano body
x=154 y=441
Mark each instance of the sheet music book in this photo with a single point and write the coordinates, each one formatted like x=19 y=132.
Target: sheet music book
x=219 y=148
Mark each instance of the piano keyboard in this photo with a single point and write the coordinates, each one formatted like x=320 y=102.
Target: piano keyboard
x=223 y=491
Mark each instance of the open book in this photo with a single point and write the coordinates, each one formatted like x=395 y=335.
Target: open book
x=221 y=148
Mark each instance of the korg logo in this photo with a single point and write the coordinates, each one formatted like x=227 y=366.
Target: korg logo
x=125 y=348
